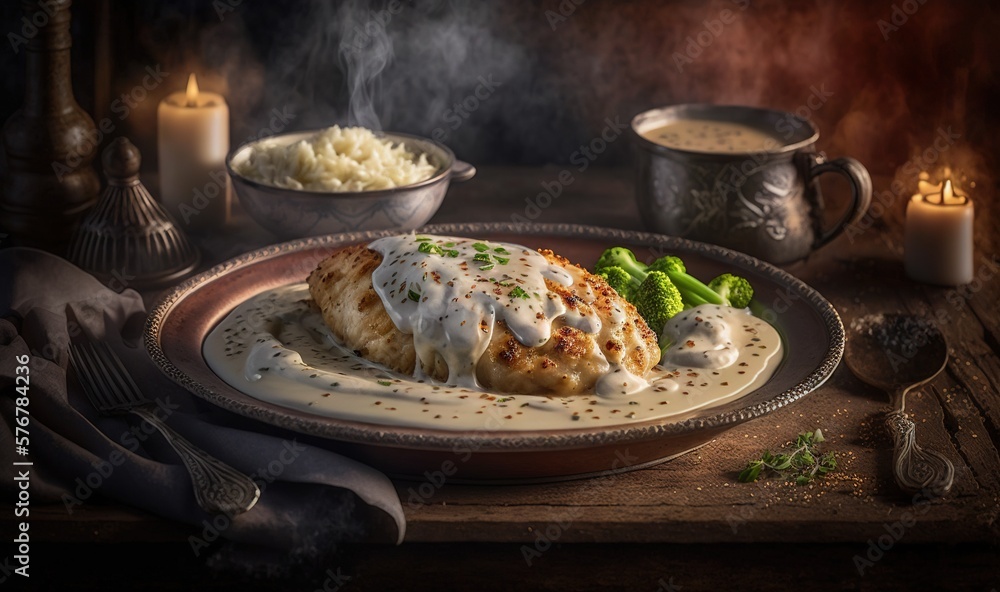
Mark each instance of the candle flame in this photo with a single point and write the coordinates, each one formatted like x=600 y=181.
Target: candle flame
x=942 y=194
x=947 y=193
x=950 y=195
x=192 y=91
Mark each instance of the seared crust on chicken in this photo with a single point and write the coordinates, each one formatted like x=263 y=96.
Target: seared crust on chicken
x=568 y=363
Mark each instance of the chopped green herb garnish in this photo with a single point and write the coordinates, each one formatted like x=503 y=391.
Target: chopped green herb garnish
x=449 y=244
x=804 y=463
x=430 y=248
x=504 y=399
x=486 y=267
x=451 y=253
x=518 y=292
x=482 y=258
x=481 y=247
x=501 y=250
x=413 y=295
x=502 y=260
x=385 y=382
x=423 y=239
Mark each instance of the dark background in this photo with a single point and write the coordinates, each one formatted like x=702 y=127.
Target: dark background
x=563 y=69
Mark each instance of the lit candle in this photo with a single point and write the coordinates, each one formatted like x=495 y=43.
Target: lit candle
x=193 y=140
x=938 y=244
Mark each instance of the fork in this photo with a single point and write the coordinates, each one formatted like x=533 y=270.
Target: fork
x=109 y=387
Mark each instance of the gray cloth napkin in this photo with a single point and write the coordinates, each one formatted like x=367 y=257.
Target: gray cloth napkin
x=80 y=456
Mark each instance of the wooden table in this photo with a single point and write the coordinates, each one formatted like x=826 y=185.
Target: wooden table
x=686 y=524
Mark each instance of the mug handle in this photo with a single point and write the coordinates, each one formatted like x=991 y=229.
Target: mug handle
x=861 y=191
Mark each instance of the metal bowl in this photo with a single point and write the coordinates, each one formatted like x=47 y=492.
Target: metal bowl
x=294 y=213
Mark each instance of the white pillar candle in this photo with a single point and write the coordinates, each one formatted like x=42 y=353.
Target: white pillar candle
x=193 y=141
x=938 y=243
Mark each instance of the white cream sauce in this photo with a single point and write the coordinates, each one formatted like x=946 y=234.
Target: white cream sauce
x=276 y=347
x=703 y=135
x=700 y=338
x=448 y=292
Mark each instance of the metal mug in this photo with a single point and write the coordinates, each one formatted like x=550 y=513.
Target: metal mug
x=767 y=204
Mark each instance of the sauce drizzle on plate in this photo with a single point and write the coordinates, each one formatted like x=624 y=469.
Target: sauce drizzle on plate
x=276 y=348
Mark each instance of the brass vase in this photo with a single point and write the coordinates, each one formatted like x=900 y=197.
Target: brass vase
x=49 y=143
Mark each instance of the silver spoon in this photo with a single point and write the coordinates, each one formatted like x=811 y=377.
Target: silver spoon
x=896 y=353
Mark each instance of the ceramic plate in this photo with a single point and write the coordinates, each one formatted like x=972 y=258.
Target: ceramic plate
x=810 y=328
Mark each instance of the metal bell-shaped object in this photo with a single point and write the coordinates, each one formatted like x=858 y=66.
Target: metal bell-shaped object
x=128 y=236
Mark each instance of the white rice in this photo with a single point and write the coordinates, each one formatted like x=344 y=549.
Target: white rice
x=336 y=160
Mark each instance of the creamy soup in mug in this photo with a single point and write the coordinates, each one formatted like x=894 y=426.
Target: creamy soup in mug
x=703 y=135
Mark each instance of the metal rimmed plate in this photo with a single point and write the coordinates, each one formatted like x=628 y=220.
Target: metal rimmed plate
x=809 y=325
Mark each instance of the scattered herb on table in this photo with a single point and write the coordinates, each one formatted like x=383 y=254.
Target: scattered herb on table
x=804 y=463
x=385 y=382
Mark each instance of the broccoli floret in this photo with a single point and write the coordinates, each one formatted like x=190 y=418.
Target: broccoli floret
x=664 y=288
x=623 y=258
x=736 y=290
x=621 y=281
x=667 y=264
x=692 y=290
x=657 y=299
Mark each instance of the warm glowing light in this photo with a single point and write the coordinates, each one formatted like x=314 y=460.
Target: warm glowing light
x=192 y=91
x=938 y=243
x=947 y=194
x=940 y=194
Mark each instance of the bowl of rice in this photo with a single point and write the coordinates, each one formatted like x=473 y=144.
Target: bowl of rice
x=342 y=179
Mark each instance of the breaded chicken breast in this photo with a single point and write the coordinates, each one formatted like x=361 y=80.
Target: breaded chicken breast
x=570 y=362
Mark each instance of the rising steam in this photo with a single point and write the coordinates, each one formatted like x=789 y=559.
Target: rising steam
x=365 y=50
x=878 y=94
